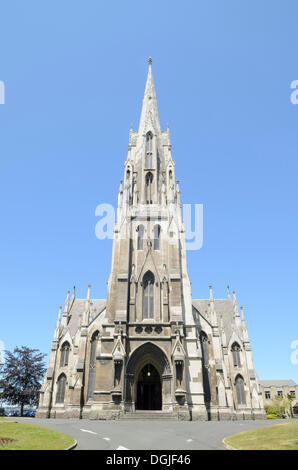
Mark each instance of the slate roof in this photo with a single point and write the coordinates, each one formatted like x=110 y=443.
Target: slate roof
x=277 y=383
x=77 y=310
x=222 y=307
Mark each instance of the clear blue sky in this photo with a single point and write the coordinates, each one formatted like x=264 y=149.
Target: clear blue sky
x=75 y=74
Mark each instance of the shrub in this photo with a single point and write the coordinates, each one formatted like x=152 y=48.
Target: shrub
x=271 y=410
x=269 y=416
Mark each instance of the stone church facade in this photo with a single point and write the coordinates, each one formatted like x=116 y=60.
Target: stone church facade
x=149 y=347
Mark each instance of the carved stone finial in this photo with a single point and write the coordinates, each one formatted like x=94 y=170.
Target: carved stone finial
x=211 y=293
x=228 y=288
x=88 y=291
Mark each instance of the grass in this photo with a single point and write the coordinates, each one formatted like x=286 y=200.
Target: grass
x=277 y=437
x=30 y=437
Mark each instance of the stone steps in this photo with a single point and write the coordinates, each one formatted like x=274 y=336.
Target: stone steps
x=150 y=415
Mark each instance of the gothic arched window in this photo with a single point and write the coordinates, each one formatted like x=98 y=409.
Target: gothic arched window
x=148 y=162
x=205 y=364
x=156 y=230
x=92 y=370
x=204 y=346
x=148 y=295
x=236 y=354
x=239 y=382
x=61 y=383
x=149 y=188
x=128 y=175
x=64 y=354
x=140 y=231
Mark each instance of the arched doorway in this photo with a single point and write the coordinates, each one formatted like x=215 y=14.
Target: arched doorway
x=149 y=389
x=160 y=375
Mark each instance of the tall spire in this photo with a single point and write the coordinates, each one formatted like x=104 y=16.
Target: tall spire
x=149 y=119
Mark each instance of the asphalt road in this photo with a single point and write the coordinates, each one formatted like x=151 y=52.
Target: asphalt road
x=148 y=435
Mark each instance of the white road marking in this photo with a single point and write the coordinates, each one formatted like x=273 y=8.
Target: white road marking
x=106 y=438
x=87 y=430
x=188 y=440
x=122 y=448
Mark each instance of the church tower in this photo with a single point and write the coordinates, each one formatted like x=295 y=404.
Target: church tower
x=150 y=348
x=149 y=296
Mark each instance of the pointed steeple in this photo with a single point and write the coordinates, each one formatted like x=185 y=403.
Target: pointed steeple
x=228 y=289
x=213 y=316
x=244 y=329
x=85 y=318
x=210 y=292
x=149 y=115
x=169 y=138
x=66 y=310
x=88 y=293
x=66 y=305
x=237 y=319
x=73 y=295
x=57 y=329
x=235 y=304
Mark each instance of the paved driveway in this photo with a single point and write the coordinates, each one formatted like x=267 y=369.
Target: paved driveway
x=148 y=435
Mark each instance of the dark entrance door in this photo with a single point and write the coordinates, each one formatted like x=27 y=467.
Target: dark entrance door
x=148 y=389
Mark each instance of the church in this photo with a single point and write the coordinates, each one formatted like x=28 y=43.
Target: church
x=149 y=349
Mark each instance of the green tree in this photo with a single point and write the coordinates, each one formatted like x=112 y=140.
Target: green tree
x=278 y=403
x=21 y=375
x=290 y=399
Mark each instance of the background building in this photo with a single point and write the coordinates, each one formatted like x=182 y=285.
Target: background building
x=280 y=388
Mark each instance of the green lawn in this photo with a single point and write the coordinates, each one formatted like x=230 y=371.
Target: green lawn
x=30 y=437
x=277 y=437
